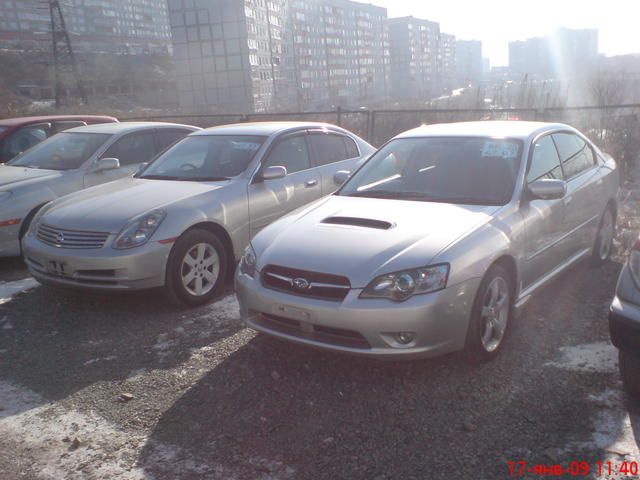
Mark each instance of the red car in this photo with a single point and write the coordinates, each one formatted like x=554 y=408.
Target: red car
x=20 y=134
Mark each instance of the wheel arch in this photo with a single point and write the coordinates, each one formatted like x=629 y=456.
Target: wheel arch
x=224 y=237
x=507 y=262
x=28 y=218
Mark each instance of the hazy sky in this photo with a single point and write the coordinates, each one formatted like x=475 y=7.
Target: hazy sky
x=495 y=22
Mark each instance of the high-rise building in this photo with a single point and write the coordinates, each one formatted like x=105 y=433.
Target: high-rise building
x=233 y=55
x=120 y=26
x=341 y=51
x=415 y=58
x=447 y=61
x=565 y=54
x=469 y=62
x=261 y=55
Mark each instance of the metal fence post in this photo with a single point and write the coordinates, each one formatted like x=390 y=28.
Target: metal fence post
x=372 y=128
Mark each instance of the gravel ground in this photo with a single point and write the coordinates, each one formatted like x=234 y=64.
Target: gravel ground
x=97 y=386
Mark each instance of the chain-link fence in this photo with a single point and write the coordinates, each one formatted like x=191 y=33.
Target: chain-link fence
x=616 y=128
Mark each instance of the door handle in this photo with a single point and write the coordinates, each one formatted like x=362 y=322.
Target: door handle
x=311 y=183
x=568 y=200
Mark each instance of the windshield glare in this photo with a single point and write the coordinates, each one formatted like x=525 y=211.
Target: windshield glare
x=205 y=158
x=462 y=170
x=64 y=151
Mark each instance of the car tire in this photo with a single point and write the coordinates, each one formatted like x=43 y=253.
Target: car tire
x=630 y=371
x=604 y=238
x=490 y=316
x=197 y=268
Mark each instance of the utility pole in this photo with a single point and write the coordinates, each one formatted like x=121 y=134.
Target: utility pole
x=63 y=58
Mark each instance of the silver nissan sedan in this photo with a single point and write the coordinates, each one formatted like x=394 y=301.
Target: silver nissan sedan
x=73 y=160
x=183 y=221
x=434 y=243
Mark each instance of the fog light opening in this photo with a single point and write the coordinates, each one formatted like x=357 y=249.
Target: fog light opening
x=405 y=338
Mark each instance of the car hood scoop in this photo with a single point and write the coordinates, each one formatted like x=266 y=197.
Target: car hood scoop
x=358 y=222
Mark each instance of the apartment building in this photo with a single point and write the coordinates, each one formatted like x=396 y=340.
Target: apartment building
x=340 y=51
x=447 y=61
x=468 y=62
x=112 y=26
x=262 y=55
x=565 y=54
x=414 y=58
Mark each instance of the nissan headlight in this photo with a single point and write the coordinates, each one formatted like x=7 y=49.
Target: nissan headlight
x=402 y=285
x=248 y=261
x=139 y=230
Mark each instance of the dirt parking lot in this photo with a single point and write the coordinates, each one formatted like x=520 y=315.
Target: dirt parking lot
x=97 y=386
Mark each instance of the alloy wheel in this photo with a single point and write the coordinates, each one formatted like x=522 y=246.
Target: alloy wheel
x=494 y=314
x=605 y=236
x=200 y=269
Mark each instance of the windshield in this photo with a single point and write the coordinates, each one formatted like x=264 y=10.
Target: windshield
x=64 y=151
x=462 y=170
x=205 y=158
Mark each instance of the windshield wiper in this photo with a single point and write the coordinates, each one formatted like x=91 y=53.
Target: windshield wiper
x=159 y=177
x=389 y=194
x=204 y=179
x=467 y=200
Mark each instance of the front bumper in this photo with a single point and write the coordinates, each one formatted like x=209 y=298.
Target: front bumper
x=624 y=325
x=100 y=269
x=361 y=326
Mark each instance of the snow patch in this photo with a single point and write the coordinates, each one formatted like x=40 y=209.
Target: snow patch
x=100 y=359
x=9 y=289
x=601 y=357
x=613 y=428
x=226 y=309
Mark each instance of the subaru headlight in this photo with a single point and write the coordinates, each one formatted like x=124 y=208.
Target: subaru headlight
x=4 y=196
x=248 y=261
x=400 y=286
x=139 y=230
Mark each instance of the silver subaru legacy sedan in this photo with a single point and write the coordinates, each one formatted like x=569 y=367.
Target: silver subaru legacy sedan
x=73 y=160
x=184 y=220
x=434 y=242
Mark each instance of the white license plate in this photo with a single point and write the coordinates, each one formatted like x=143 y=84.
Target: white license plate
x=291 y=312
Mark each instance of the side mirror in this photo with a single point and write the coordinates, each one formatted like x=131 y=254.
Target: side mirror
x=548 y=188
x=106 y=164
x=274 y=172
x=341 y=176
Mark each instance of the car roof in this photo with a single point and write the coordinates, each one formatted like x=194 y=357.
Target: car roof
x=124 y=127
x=263 y=128
x=18 y=121
x=491 y=128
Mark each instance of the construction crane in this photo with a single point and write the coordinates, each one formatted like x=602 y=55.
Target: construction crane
x=64 y=60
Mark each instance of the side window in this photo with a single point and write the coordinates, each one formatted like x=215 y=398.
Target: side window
x=352 y=148
x=545 y=162
x=23 y=139
x=169 y=136
x=290 y=153
x=133 y=148
x=62 y=126
x=328 y=148
x=575 y=153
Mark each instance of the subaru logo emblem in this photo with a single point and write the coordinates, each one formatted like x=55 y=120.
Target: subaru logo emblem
x=59 y=238
x=300 y=283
